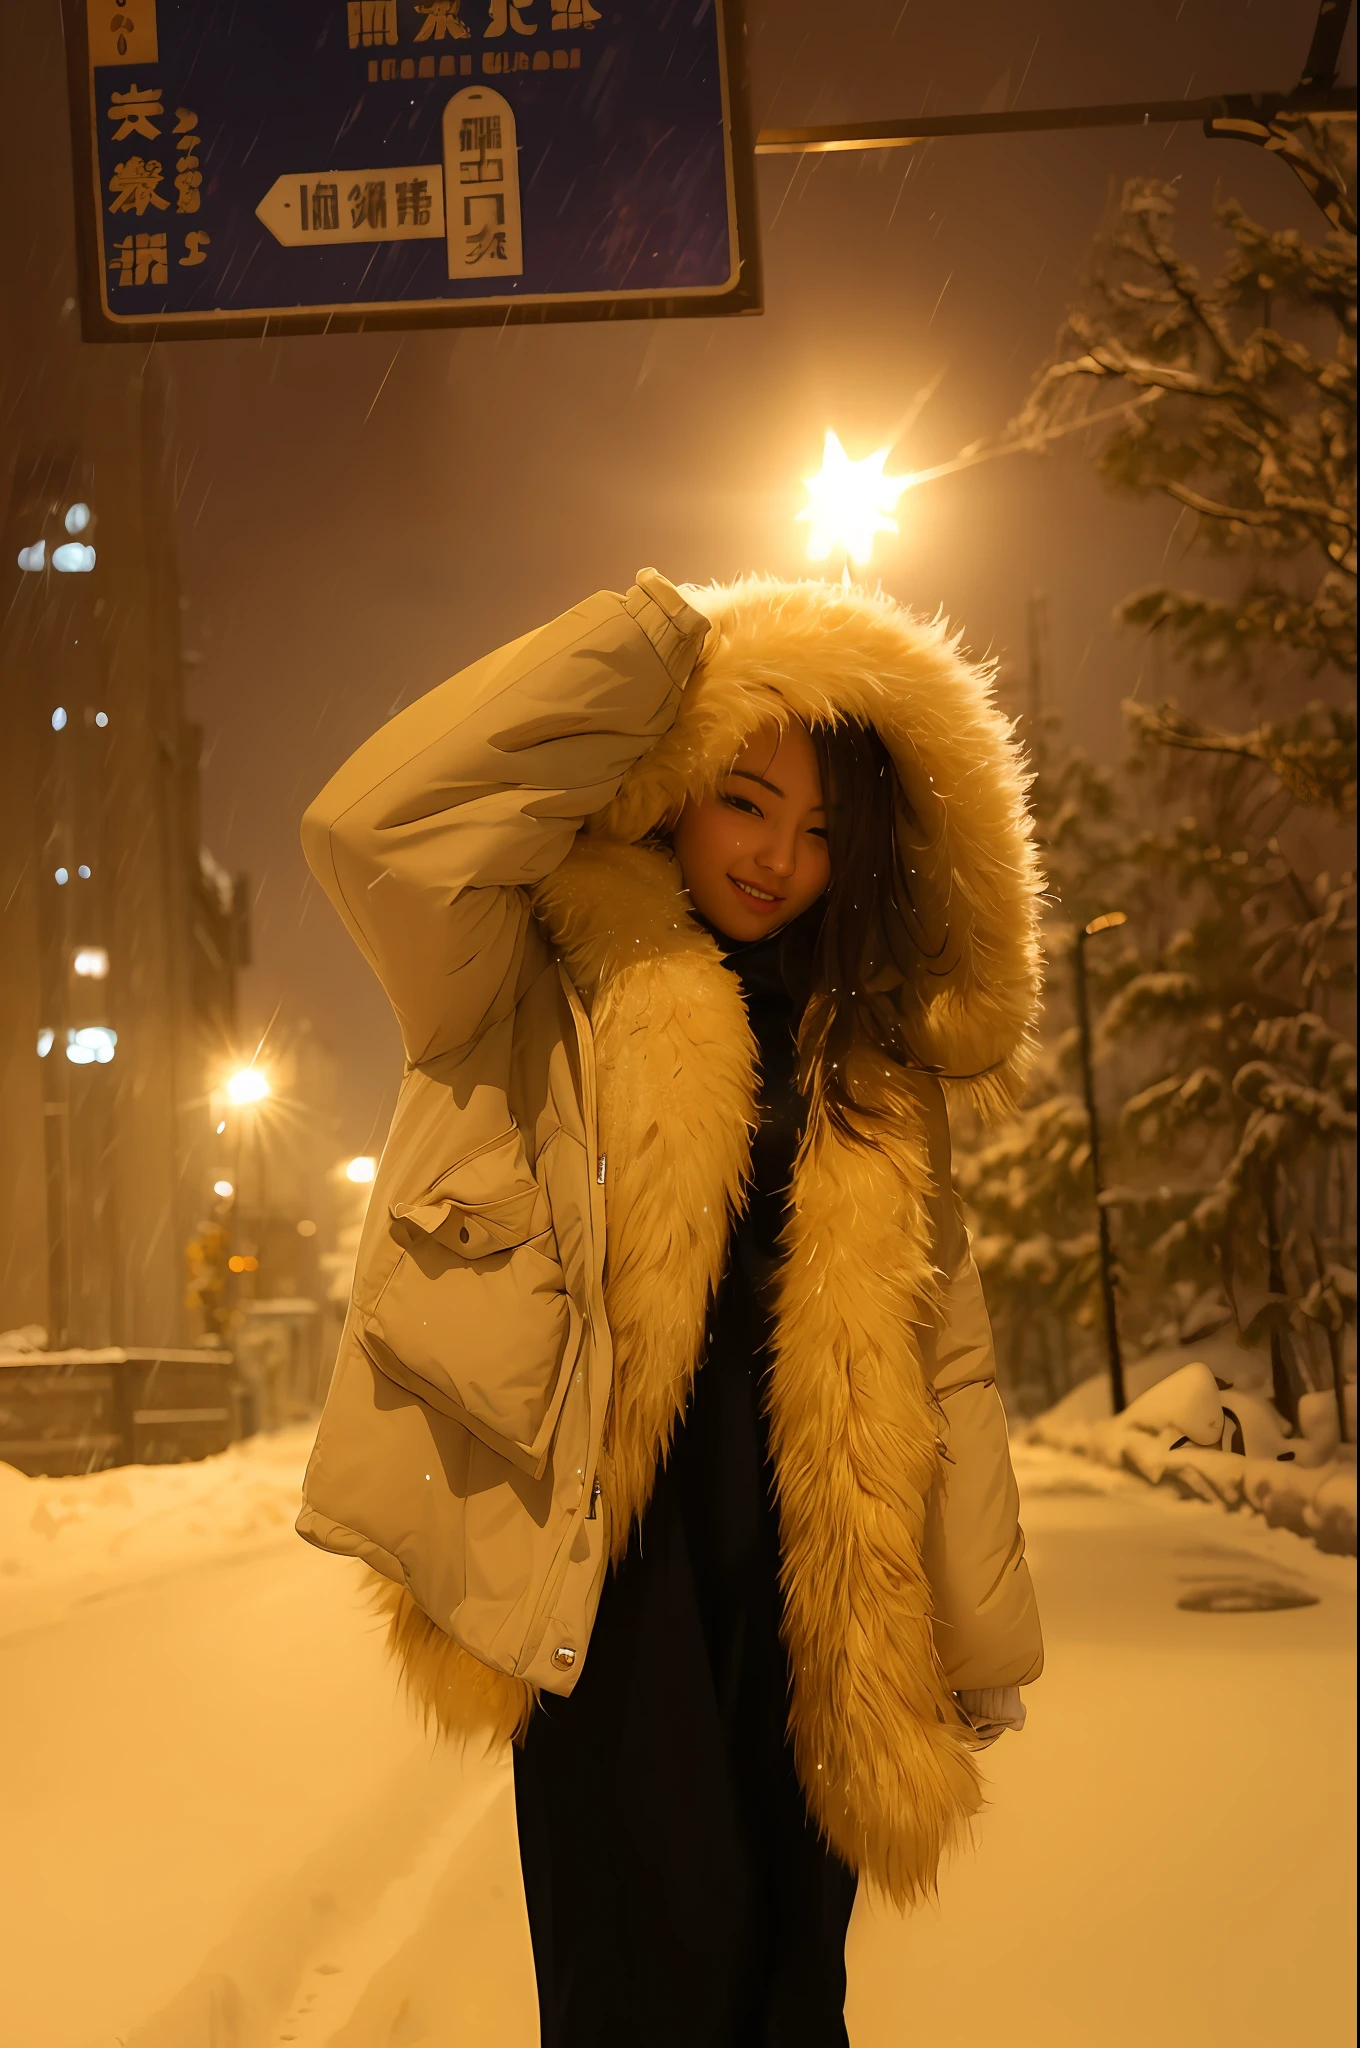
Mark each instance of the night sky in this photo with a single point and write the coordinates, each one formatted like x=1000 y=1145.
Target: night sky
x=361 y=515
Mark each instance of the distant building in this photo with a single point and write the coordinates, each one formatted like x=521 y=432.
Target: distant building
x=120 y=937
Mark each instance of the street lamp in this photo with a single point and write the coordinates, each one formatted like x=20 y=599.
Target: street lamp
x=247 y=1090
x=1108 y=921
x=247 y=1085
x=849 y=502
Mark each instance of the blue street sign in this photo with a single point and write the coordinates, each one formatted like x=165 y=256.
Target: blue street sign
x=341 y=164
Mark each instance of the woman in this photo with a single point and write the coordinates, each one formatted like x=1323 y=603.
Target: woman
x=594 y=1321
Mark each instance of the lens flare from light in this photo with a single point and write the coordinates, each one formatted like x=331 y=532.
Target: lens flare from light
x=850 y=503
x=223 y=1189
x=361 y=1170
x=248 y=1085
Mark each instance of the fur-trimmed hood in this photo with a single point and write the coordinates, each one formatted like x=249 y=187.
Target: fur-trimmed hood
x=821 y=653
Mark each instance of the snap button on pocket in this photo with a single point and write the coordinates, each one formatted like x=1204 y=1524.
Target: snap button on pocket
x=564 y=1657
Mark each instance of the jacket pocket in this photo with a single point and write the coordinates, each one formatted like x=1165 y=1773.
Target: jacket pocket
x=476 y=1318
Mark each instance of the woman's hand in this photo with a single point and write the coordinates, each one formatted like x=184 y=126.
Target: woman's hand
x=679 y=631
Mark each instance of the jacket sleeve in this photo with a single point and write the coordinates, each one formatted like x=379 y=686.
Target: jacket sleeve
x=429 y=837
x=986 y=1617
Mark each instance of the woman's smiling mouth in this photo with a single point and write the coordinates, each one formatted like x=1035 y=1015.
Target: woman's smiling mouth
x=760 y=898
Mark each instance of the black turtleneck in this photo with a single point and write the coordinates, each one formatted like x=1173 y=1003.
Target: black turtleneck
x=721 y=1454
x=776 y=976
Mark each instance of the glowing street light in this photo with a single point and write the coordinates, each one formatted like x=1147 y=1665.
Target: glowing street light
x=361 y=1171
x=850 y=503
x=247 y=1085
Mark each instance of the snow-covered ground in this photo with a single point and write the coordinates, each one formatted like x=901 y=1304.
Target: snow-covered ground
x=222 y=1829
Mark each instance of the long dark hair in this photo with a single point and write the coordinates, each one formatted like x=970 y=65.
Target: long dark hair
x=870 y=943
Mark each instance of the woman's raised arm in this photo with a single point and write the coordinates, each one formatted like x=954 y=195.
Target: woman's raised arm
x=430 y=835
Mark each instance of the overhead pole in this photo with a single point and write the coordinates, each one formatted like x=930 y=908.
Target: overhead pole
x=1257 y=109
x=1268 y=119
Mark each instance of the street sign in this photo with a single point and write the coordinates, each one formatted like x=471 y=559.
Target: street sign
x=348 y=164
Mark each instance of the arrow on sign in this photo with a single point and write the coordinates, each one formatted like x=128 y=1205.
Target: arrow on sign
x=316 y=208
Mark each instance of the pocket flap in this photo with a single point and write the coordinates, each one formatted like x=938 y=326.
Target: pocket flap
x=488 y=1202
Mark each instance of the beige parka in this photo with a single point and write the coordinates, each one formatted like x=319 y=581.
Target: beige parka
x=551 y=1210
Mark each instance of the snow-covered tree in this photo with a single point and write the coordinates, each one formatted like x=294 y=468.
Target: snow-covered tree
x=1239 y=406
x=1226 y=1022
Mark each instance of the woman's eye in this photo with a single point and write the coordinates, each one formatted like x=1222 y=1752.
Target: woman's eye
x=740 y=803
x=818 y=831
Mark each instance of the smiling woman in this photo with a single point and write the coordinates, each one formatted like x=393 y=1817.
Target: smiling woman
x=666 y=1400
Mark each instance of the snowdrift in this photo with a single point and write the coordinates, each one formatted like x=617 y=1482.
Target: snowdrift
x=65 y=1541
x=1203 y=1426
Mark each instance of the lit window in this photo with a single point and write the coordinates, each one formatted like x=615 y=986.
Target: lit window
x=77 y=518
x=73 y=558
x=361 y=1170
x=223 y=1188
x=91 y=963
x=61 y=877
x=46 y=1040
x=84 y=873
x=59 y=719
x=101 y=718
x=91 y=1046
x=34 y=558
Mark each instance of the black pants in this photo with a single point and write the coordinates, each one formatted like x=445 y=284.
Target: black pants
x=677 y=1891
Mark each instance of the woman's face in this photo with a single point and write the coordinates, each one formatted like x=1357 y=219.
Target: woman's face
x=754 y=853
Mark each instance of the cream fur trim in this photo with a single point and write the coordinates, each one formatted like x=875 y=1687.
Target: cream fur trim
x=881 y=1754
x=675 y=1077
x=450 y=1689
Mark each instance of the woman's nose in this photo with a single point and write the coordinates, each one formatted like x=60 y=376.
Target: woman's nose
x=778 y=856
